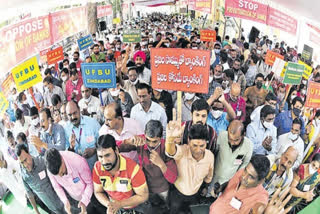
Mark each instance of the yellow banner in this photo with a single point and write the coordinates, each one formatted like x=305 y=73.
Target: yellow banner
x=307 y=70
x=284 y=69
x=27 y=74
x=116 y=21
x=4 y=104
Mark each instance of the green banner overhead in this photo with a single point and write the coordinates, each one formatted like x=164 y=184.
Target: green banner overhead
x=293 y=73
x=132 y=35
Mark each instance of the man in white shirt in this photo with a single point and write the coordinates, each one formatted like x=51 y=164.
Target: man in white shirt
x=22 y=124
x=293 y=139
x=147 y=109
x=144 y=74
x=271 y=100
x=90 y=105
x=50 y=90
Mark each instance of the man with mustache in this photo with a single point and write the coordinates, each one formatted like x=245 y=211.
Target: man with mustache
x=281 y=173
x=52 y=135
x=82 y=133
x=200 y=110
x=144 y=74
x=129 y=190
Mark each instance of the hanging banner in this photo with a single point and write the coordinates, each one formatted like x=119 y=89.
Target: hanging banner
x=99 y=75
x=203 y=6
x=85 y=42
x=192 y=4
x=271 y=57
x=180 y=69
x=104 y=10
x=208 y=35
x=24 y=39
x=307 y=70
x=282 y=21
x=4 y=104
x=131 y=35
x=248 y=9
x=7 y=84
x=55 y=56
x=315 y=38
x=66 y=23
x=313 y=95
x=27 y=74
x=293 y=73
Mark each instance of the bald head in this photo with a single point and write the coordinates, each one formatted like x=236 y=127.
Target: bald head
x=235 y=90
x=292 y=152
x=287 y=159
x=235 y=133
x=113 y=116
x=73 y=112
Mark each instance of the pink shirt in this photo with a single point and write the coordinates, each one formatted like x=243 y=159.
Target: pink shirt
x=130 y=128
x=77 y=182
x=70 y=87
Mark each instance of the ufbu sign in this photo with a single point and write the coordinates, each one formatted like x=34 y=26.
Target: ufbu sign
x=248 y=5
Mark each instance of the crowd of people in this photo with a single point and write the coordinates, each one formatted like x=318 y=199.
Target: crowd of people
x=247 y=146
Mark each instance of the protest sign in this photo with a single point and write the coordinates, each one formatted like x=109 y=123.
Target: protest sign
x=284 y=69
x=271 y=57
x=116 y=20
x=7 y=84
x=27 y=74
x=282 y=21
x=104 y=10
x=131 y=35
x=307 y=70
x=180 y=69
x=4 y=104
x=307 y=53
x=293 y=73
x=278 y=66
x=55 y=56
x=85 y=42
x=203 y=6
x=313 y=95
x=208 y=35
x=248 y=9
x=99 y=75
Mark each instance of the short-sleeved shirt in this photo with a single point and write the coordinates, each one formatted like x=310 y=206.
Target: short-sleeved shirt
x=121 y=186
x=220 y=124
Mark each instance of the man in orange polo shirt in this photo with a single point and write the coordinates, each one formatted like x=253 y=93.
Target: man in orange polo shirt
x=120 y=177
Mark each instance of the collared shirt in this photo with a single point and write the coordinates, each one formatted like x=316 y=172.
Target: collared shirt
x=122 y=185
x=255 y=115
x=155 y=112
x=56 y=140
x=157 y=180
x=11 y=178
x=226 y=165
x=78 y=180
x=18 y=127
x=256 y=132
x=130 y=128
x=93 y=107
x=239 y=107
x=284 y=142
x=71 y=88
x=273 y=181
x=283 y=122
x=192 y=173
x=186 y=109
x=48 y=95
x=86 y=136
x=247 y=196
x=100 y=57
x=220 y=124
x=37 y=182
x=212 y=87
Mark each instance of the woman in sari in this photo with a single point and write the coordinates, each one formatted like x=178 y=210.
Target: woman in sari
x=303 y=184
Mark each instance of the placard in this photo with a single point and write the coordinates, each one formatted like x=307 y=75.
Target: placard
x=27 y=74
x=248 y=9
x=104 y=10
x=307 y=53
x=271 y=57
x=99 y=75
x=116 y=20
x=180 y=69
x=313 y=95
x=208 y=35
x=307 y=70
x=55 y=56
x=7 y=84
x=85 y=42
x=131 y=35
x=293 y=73
x=278 y=66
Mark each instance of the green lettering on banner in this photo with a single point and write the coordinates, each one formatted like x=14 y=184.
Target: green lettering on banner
x=132 y=35
x=293 y=73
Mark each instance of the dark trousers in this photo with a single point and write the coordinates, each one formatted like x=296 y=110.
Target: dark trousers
x=179 y=203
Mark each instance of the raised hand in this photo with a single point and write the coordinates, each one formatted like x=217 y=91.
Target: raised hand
x=174 y=130
x=277 y=204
